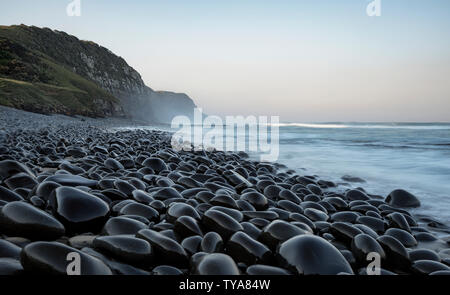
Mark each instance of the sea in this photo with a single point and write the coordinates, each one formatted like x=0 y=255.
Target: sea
x=387 y=156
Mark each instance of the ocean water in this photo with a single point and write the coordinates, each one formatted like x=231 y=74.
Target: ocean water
x=411 y=156
x=388 y=156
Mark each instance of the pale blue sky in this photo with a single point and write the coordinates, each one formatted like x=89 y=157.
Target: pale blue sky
x=315 y=60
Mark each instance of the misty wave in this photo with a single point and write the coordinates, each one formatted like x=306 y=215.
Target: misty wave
x=425 y=126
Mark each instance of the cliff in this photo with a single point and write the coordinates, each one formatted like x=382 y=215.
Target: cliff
x=50 y=71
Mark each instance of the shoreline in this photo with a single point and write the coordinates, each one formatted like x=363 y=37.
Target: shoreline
x=134 y=185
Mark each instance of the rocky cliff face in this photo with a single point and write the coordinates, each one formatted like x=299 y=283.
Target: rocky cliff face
x=107 y=70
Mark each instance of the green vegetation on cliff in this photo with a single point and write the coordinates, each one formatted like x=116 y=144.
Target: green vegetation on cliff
x=33 y=81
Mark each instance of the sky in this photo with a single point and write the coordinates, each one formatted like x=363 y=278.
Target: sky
x=305 y=61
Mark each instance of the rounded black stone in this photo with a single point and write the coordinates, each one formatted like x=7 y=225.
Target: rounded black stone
x=9 y=250
x=79 y=211
x=216 y=264
x=51 y=258
x=10 y=266
x=72 y=180
x=192 y=244
x=8 y=195
x=279 y=231
x=376 y=224
x=396 y=253
x=309 y=255
x=402 y=198
x=425 y=267
x=315 y=215
x=177 y=210
x=156 y=164
x=187 y=226
x=9 y=168
x=221 y=223
x=344 y=232
x=125 y=248
x=266 y=270
x=354 y=194
x=344 y=216
x=424 y=254
x=363 y=244
x=244 y=248
x=166 y=270
x=165 y=248
x=397 y=219
x=403 y=236
x=257 y=200
x=24 y=220
x=113 y=164
x=140 y=210
x=212 y=242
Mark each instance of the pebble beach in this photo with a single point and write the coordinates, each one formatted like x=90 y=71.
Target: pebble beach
x=127 y=203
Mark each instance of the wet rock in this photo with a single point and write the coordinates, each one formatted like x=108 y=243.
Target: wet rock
x=396 y=253
x=177 y=210
x=155 y=164
x=71 y=180
x=51 y=258
x=251 y=230
x=9 y=250
x=125 y=248
x=402 y=198
x=21 y=180
x=237 y=215
x=8 y=195
x=192 y=244
x=165 y=249
x=140 y=210
x=279 y=231
x=308 y=254
x=142 y=197
x=24 y=220
x=344 y=216
x=187 y=226
x=269 y=215
x=376 y=224
x=81 y=241
x=354 y=194
x=221 y=223
x=166 y=270
x=113 y=164
x=216 y=264
x=344 y=232
x=425 y=267
x=363 y=244
x=124 y=187
x=225 y=201
x=257 y=200
x=350 y=178
x=245 y=249
x=212 y=242
x=315 y=215
x=266 y=270
x=398 y=220
x=122 y=226
x=10 y=266
x=403 y=236
x=424 y=254
x=9 y=168
x=79 y=211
